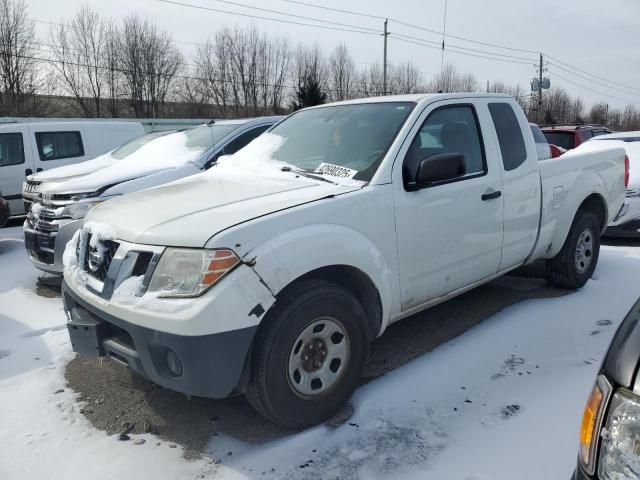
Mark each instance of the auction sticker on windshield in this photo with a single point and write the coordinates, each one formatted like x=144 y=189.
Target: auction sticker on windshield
x=335 y=170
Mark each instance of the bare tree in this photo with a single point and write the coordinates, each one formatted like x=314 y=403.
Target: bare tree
x=113 y=77
x=576 y=110
x=19 y=78
x=342 y=74
x=79 y=48
x=371 y=81
x=450 y=80
x=406 y=78
x=149 y=62
x=599 y=113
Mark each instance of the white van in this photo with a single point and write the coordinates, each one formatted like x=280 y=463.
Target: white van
x=26 y=148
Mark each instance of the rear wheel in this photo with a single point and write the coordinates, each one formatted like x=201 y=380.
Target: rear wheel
x=576 y=261
x=309 y=355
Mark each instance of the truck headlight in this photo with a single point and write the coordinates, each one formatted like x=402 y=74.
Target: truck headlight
x=79 y=209
x=185 y=272
x=620 y=450
x=591 y=421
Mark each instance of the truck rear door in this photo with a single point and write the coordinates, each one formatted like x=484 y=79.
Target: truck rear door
x=449 y=235
x=16 y=162
x=520 y=182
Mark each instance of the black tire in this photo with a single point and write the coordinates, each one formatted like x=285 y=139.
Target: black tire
x=563 y=270
x=270 y=390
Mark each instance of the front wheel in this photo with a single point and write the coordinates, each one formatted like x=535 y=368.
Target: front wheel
x=309 y=356
x=575 y=262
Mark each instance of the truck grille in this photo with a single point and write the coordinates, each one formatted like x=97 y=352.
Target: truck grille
x=43 y=227
x=98 y=260
x=110 y=262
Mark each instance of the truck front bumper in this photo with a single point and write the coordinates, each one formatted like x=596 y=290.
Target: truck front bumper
x=202 y=365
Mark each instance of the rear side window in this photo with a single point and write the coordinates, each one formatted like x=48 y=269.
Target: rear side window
x=11 y=149
x=512 y=146
x=59 y=145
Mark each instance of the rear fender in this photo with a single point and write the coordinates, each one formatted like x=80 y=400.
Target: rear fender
x=560 y=209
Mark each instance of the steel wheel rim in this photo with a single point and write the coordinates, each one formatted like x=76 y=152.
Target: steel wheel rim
x=318 y=358
x=584 y=251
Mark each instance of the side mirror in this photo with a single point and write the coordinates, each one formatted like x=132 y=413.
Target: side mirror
x=438 y=168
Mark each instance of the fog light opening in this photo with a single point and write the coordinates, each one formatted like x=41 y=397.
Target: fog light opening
x=174 y=364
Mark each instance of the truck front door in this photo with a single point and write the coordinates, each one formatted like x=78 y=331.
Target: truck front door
x=449 y=235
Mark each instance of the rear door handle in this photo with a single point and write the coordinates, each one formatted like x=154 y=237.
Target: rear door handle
x=491 y=195
x=28 y=172
x=38 y=170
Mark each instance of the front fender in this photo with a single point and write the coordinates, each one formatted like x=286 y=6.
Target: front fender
x=292 y=254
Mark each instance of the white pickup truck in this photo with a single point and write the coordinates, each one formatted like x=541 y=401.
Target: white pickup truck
x=270 y=274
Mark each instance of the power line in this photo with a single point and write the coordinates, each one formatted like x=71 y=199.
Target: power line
x=336 y=9
x=278 y=12
x=592 y=75
x=259 y=17
x=460 y=52
x=439 y=45
x=594 y=91
x=411 y=25
x=594 y=81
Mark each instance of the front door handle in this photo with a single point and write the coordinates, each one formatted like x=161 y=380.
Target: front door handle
x=38 y=170
x=491 y=195
x=28 y=172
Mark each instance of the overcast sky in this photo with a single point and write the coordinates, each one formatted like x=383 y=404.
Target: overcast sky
x=599 y=37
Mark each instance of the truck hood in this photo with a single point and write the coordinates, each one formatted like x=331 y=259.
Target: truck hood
x=190 y=211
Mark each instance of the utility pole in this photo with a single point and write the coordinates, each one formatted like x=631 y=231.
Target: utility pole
x=540 y=89
x=384 y=61
x=539 y=83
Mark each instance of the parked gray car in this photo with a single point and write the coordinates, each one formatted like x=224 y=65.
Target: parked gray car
x=57 y=200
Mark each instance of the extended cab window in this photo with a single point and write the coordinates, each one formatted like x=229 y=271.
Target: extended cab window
x=59 y=145
x=512 y=146
x=451 y=129
x=11 y=149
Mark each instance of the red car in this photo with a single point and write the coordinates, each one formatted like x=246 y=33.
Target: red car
x=571 y=135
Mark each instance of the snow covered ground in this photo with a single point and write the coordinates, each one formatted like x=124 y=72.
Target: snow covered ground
x=502 y=401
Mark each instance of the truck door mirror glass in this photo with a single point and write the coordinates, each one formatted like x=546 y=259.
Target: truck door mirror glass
x=439 y=168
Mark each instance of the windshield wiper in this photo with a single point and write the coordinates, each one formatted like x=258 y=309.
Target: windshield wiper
x=307 y=173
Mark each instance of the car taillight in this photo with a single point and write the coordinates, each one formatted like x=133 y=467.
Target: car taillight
x=626 y=171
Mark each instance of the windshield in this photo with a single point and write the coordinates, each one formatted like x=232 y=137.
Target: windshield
x=347 y=141
x=565 y=140
x=128 y=148
x=197 y=140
